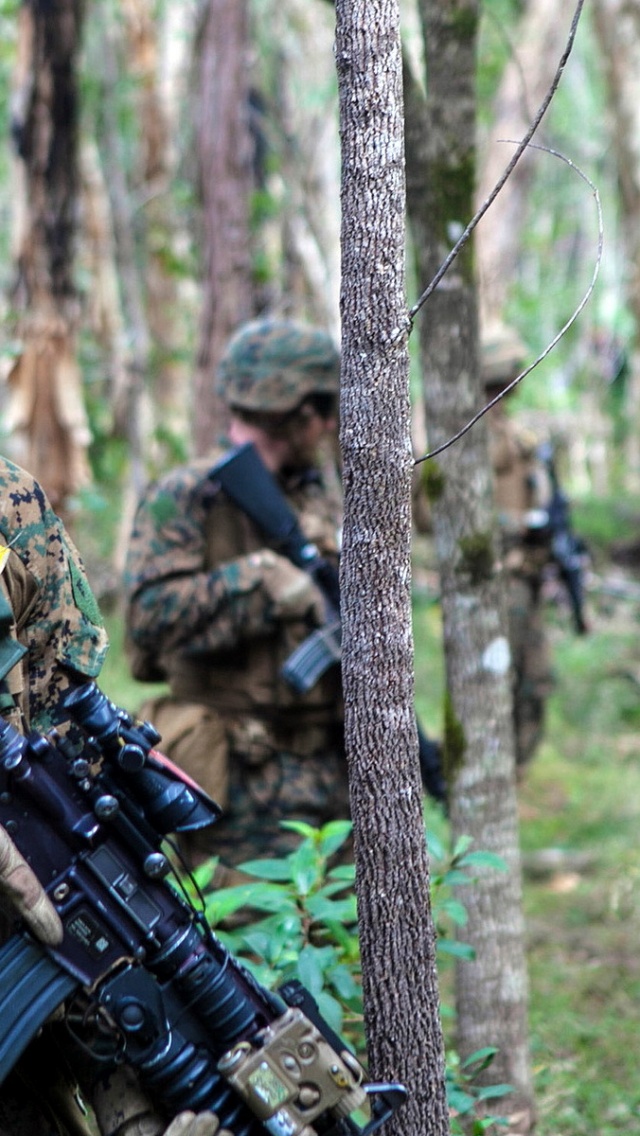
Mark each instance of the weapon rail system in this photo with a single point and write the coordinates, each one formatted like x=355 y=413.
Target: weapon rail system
x=144 y=980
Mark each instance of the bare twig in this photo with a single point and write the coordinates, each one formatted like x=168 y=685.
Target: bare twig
x=565 y=328
x=522 y=146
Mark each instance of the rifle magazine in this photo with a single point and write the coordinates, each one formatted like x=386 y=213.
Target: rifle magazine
x=32 y=986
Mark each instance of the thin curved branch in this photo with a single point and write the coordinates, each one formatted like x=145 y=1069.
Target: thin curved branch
x=563 y=330
x=522 y=146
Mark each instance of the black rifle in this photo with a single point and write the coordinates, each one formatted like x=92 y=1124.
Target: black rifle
x=567 y=550
x=144 y=980
x=246 y=480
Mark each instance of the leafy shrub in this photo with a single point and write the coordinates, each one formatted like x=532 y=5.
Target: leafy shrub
x=297 y=918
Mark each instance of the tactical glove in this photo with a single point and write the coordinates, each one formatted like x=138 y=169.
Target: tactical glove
x=290 y=593
x=122 y=1108
x=190 y=1124
x=23 y=890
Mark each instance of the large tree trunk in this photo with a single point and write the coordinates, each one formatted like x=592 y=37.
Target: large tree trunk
x=491 y=991
x=46 y=407
x=396 y=928
x=224 y=156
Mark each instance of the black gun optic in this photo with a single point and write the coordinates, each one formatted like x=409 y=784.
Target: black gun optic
x=170 y=800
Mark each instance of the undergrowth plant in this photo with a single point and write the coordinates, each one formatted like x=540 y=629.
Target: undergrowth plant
x=297 y=918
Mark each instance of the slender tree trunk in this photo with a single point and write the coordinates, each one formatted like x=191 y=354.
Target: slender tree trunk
x=396 y=928
x=46 y=406
x=224 y=155
x=168 y=378
x=617 y=25
x=527 y=77
x=491 y=991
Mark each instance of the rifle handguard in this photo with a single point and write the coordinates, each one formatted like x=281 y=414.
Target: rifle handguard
x=144 y=980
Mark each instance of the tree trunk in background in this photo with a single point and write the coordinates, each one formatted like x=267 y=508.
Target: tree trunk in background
x=224 y=158
x=491 y=991
x=540 y=40
x=618 y=31
x=396 y=929
x=168 y=377
x=309 y=175
x=46 y=408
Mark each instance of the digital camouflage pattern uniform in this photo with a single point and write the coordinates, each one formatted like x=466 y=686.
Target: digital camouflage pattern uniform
x=56 y=616
x=199 y=616
x=47 y=606
x=521 y=491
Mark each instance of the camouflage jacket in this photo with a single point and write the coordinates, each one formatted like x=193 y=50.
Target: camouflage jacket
x=56 y=616
x=196 y=614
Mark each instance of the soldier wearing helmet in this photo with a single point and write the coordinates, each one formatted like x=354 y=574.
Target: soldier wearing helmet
x=214 y=610
x=521 y=492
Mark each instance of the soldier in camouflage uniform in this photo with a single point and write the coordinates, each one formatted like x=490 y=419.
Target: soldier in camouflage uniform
x=215 y=610
x=521 y=492
x=51 y=634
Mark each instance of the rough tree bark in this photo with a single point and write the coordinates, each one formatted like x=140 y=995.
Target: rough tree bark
x=396 y=928
x=46 y=408
x=224 y=157
x=491 y=991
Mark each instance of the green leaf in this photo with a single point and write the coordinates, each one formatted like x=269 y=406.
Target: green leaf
x=344 y=983
x=346 y=872
x=306 y=868
x=482 y=1057
x=311 y=970
x=454 y=878
x=330 y=910
x=492 y=1092
x=268 y=869
x=458 y=950
x=435 y=847
x=333 y=835
x=455 y=911
x=299 y=826
x=331 y=1010
x=461 y=846
x=459 y=1101
x=333 y=887
x=484 y=860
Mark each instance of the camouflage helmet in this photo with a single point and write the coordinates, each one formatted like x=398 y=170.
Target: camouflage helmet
x=503 y=354
x=272 y=365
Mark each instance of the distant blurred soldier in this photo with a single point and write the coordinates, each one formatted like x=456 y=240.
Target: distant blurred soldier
x=521 y=493
x=215 y=609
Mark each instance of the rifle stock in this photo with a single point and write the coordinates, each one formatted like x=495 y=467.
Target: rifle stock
x=567 y=550
x=138 y=966
x=246 y=480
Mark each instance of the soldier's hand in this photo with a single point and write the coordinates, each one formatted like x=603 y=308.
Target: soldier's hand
x=192 y=1124
x=292 y=592
x=24 y=891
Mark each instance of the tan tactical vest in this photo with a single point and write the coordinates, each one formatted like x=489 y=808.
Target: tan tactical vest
x=245 y=682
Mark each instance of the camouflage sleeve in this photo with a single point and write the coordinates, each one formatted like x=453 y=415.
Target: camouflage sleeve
x=62 y=628
x=173 y=600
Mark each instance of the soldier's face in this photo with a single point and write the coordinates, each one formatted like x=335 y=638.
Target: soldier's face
x=310 y=429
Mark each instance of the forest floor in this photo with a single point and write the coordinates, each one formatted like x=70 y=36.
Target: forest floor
x=580 y=831
x=579 y=806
